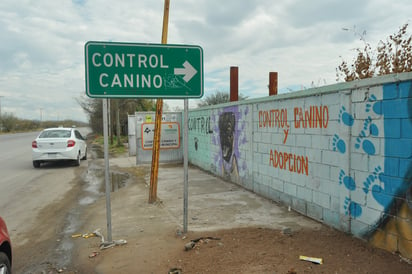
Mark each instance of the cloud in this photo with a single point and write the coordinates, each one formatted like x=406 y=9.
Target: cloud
x=42 y=53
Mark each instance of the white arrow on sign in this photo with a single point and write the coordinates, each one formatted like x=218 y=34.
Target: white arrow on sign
x=188 y=71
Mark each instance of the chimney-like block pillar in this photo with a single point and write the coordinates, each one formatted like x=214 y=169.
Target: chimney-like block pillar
x=273 y=83
x=234 y=84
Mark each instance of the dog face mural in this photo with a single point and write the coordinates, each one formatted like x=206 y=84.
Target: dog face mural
x=227 y=124
x=230 y=134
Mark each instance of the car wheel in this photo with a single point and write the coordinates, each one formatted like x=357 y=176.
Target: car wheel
x=77 y=161
x=36 y=164
x=85 y=155
x=4 y=263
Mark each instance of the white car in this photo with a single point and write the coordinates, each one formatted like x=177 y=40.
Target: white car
x=58 y=144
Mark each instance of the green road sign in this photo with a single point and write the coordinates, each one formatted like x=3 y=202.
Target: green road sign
x=132 y=70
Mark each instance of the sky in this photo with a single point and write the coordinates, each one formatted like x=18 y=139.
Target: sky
x=42 y=59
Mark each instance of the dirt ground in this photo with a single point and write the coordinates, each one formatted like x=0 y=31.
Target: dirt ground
x=158 y=246
x=245 y=250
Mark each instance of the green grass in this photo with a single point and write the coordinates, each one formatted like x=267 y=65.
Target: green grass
x=114 y=149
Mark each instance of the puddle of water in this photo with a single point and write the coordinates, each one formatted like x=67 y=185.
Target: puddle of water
x=94 y=179
x=86 y=201
x=72 y=224
x=93 y=189
x=119 y=180
x=63 y=252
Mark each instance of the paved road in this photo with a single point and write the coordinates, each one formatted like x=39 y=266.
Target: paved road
x=24 y=191
x=16 y=172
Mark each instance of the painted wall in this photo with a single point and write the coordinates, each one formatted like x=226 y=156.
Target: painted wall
x=341 y=154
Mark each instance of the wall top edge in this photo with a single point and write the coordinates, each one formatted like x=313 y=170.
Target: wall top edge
x=335 y=88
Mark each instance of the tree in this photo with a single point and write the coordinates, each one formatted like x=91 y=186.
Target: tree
x=120 y=109
x=219 y=97
x=94 y=110
x=8 y=122
x=394 y=55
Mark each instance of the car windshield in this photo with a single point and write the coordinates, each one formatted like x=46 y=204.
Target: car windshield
x=58 y=133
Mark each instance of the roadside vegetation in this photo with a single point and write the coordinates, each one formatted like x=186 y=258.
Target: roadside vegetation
x=10 y=123
x=114 y=148
x=119 y=110
x=118 y=115
x=392 y=55
x=219 y=97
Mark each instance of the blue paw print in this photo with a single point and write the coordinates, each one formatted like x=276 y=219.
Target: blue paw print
x=373 y=129
x=376 y=106
x=370 y=127
x=380 y=196
x=351 y=208
x=348 y=181
x=338 y=144
x=345 y=117
x=371 y=178
x=366 y=145
x=362 y=142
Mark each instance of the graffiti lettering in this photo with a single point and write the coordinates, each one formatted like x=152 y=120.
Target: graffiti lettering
x=200 y=124
x=314 y=117
x=273 y=118
x=288 y=161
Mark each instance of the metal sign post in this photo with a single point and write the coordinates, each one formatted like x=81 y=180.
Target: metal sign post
x=185 y=165
x=106 y=165
x=137 y=70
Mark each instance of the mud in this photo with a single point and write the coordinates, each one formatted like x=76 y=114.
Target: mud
x=49 y=244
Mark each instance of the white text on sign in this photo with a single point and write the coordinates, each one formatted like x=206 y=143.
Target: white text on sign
x=129 y=60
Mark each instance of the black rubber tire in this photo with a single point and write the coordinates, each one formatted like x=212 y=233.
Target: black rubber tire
x=36 y=164
x=85 y=155
x=5 y=263
x=77 y=161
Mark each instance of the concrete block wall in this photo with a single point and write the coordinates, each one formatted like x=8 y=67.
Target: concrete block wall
x=341 y=154
x=218 y=143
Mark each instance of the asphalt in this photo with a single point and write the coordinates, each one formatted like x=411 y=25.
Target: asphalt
x=213 y=203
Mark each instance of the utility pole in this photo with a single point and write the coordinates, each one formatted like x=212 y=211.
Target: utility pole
x=158 y=120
